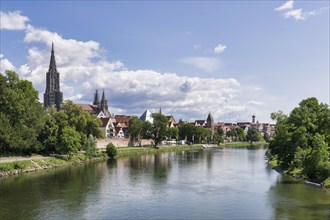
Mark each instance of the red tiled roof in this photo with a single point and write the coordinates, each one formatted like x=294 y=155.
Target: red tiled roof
x=105 y=121
x=88 y=107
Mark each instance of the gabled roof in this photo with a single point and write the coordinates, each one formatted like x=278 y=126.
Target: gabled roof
x=88 y=107
x=200 y=122
x=105 y=121
x=146 y=116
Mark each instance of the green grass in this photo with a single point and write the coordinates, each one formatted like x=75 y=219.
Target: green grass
x=45 y=163
x=244 y=144
x=140 y=150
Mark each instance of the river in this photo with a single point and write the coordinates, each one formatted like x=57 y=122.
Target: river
x=199 y=184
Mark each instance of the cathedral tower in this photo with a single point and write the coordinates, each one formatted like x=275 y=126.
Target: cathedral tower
x=53 y=97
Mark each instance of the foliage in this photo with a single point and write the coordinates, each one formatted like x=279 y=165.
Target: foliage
x=196 y=134
x=69 y=141
x=21 y=115
x=237 y=134
x=90 y=146
x=158 y=128
x=135 y=129
x=253 y=134
x=217 y=138
x=302 y=139
x=172 y=133
x=111 y=150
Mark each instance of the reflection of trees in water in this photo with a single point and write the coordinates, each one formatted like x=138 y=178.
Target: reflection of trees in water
x=143 y=167
x=48 y=192
x=189 y=157
x=292 y=199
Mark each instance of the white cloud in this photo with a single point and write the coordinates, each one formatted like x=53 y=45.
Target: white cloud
x=287 y=5
x=5 y=64
x=219 y=49
x=12 y=20
x=83 y=68
x=296 y=14
x=207 y=64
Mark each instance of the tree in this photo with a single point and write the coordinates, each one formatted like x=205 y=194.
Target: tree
x=69 y=141
x=158 y=128
x=239 y=133
x=172 y=133
x=90 y=146
x=217 y=138
x=253 y=134
x=302 y=139
x=186 y=131
x=111 y=150
x=220 y=131
x=21 y=113
x=135 y=129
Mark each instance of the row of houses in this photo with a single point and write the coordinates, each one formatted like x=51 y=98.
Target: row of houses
x=116 y=126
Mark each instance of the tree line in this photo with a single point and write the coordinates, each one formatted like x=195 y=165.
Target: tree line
x=27 y=128
x=159 y=131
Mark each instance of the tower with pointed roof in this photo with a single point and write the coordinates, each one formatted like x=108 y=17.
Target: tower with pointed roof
x=104 y=105
x=96 y=98
x=210 y=122
x=53 y=97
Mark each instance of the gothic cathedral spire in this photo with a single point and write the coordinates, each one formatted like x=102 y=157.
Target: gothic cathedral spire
x=53 y=97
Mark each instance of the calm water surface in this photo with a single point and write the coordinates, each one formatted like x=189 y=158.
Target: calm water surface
x=203 y=184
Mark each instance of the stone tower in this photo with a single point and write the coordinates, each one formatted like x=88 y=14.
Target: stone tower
x=253 y=119
x=210 y=123
x=53 y=97
x=96 y=98
x=104 y=105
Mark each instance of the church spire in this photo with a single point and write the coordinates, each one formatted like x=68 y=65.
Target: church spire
x=53 y=97
x=52 y=63
x=96 y=98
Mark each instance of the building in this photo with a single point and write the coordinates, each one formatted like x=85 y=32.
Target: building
x=147 y=116
x=53 y=97
x=99 y=108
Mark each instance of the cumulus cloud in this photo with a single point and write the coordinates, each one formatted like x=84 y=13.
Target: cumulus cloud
x=219 y=49
x=12 y=20
x=84 y=67
x=287 y=5
x=207 y=64
x=5 y=64
x=298 y=14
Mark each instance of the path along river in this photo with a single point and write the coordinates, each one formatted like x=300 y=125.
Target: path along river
x=202 y=184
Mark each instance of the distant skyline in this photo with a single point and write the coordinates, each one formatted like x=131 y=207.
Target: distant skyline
x=231 y=58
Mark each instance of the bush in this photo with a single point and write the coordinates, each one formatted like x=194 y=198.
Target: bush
x=111 y=150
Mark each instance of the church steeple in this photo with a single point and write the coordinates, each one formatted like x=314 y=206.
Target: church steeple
x=104 y=104
x=52 y=63
x=53 y=97
x=96 y=98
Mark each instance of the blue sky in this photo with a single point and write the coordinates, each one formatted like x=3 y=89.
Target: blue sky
x=230 y=58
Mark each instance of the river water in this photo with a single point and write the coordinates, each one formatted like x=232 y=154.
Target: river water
x=199 y=184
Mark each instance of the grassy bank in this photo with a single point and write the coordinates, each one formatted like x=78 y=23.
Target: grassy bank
x=25 y=166
x=139 y=150
x=296 y=172
x=244 y=144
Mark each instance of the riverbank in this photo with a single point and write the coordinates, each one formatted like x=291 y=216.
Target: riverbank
x=244 y=144
x=297 y=173
x=35 y=164
x=122 y=152
x=44 y=163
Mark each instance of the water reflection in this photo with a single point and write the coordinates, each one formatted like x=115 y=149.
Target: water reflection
x=199 y=184
x=292 y=199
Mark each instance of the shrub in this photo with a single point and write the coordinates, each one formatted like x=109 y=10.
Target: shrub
x=111 y=150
